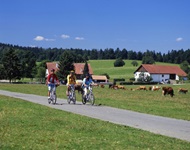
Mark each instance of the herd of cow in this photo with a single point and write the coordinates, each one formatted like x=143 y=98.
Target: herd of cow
x=165 y=90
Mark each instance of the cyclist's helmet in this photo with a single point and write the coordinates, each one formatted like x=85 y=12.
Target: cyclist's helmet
x=72 y=72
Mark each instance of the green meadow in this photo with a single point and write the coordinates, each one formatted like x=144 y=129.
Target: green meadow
x=107 y=66
x=24 y=125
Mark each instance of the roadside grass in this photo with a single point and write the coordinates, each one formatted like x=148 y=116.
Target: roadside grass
x=25 y=125
x=150 y=102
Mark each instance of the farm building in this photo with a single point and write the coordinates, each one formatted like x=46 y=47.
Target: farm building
x=160 y=73
x=99 y=78
x=78 y=71
x=78 y=68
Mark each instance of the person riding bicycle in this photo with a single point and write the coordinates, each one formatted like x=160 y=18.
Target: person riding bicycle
x=52 y=81
x=71 y=81
x=87 y=81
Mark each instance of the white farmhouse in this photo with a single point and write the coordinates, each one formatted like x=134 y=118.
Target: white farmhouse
x=160 y=73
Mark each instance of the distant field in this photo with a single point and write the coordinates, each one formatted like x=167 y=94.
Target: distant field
x=107 y=66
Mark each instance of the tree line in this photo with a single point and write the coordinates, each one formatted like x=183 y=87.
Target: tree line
x=53 y=54
x=22 y=60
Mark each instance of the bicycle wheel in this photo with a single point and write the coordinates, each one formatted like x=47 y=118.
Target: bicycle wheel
x=91 y=99
x=83 y=99
x=74 y=98
x=49 y=100
x=69 y=98
x=54 y=100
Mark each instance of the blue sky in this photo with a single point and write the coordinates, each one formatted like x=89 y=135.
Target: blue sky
x=138 y=25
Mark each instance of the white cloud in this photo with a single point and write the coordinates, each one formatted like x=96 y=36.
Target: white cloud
x=49 y=39
x=79 y=38
x=179 y=39
x=32 y=46
x=39 y=38
x=64 y=36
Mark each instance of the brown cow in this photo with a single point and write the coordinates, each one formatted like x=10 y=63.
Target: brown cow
x=168 y=90
x=155 y=88
x=121 y=87
x=78 y=87
x=181 y=90
x=102 y=86
x=142 y=88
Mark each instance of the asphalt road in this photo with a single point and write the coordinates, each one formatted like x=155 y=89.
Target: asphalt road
x=159 y=125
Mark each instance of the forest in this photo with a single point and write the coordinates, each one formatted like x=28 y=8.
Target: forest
x=26 y=58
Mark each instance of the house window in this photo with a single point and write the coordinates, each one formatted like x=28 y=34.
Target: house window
x=162 y=75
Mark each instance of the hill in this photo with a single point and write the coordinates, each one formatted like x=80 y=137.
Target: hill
x=127 y=71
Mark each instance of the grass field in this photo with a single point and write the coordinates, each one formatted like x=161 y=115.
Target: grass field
x=24 y=125
x=150 y=102
x=107 y=66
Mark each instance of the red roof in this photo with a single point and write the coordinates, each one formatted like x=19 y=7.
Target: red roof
x=51 y=65
x=78 y=67
x=160 y=69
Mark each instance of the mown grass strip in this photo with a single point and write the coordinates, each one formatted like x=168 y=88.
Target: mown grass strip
x=24 y=125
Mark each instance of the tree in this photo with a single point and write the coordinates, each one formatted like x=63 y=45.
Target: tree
x=11 y=65
x=119 y=63
x=94 y=54
x=134 y=63
x=148 y=60
x=144 y=77
x=28 y=63
x=131 y=55
x=2 y=72
x=41 y=71
x=85 y=70
x=185 y=66
x=65 y=65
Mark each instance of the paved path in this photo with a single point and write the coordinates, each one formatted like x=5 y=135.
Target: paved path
x=160 y=125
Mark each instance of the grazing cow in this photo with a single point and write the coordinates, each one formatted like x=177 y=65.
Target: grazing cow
x=115 y=87
x=142 y=88
x=121 y=87
x=96 y=85
x=78 y=87
x=181 y=90
x=168 y=90
x=155 y=88
x=102 y=86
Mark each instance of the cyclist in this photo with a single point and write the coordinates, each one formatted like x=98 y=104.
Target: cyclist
x=52 y=81
x=71 y=80
x=87 y=81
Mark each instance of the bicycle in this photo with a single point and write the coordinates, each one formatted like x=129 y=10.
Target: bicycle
x=53 y=96
x=89 y=96
x=71 y=96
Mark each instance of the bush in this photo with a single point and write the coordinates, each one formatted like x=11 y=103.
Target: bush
x=132 y=79
x=126 y=83
x=119 y=63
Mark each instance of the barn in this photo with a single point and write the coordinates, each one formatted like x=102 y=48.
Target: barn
x=160 y=73
x=79 y=67
x=99 y=78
